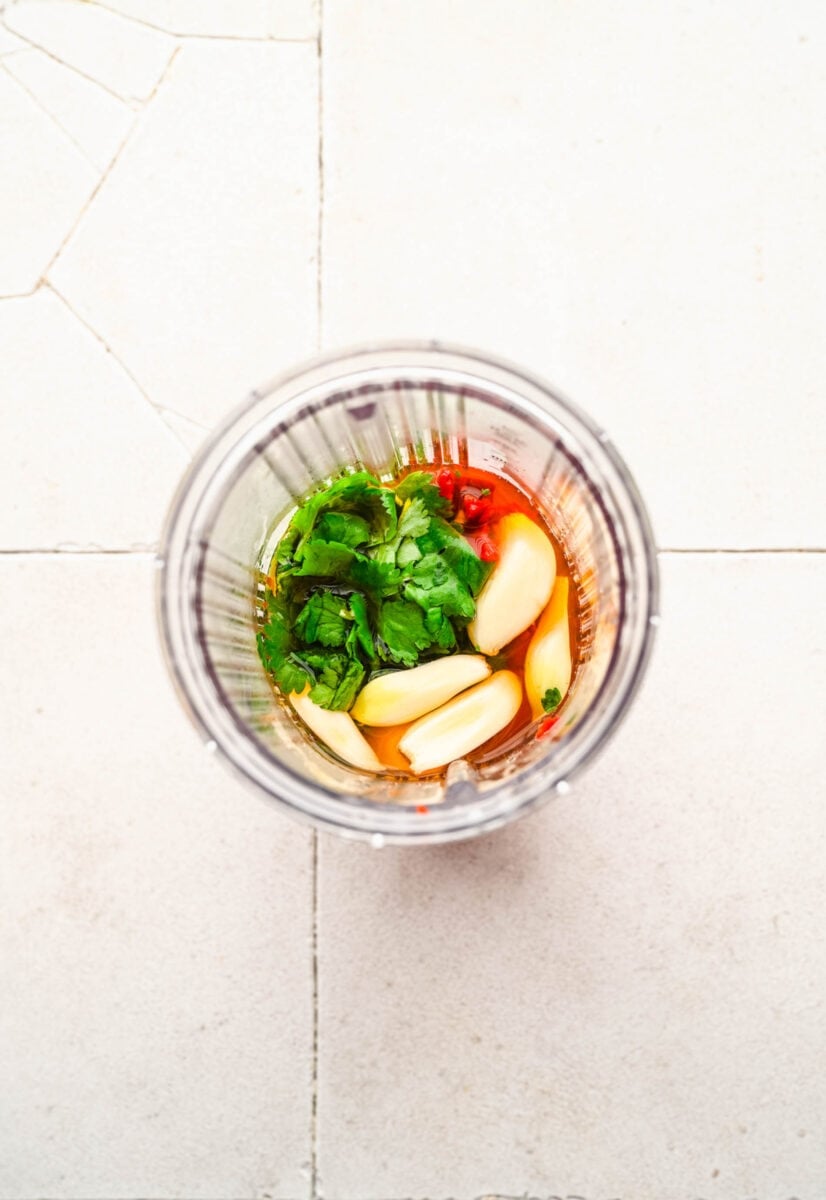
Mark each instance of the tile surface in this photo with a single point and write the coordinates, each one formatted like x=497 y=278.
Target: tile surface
x=621 y=996
x=73 y=415
x=626 y=199
x=47 y=180
x=156 y=1015
x=226 y=18
x=122 y=57
x=92 y=119
x=9 y=44
x=196 y=260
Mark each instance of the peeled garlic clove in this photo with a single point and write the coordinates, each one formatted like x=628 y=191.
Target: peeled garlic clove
x=519 y=587
x=401 y=696
x=463 y=723
x=548 y=660
x=337 y=730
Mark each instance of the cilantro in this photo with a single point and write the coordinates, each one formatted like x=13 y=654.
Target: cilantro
x=291 y=676
x=358 y=608
x=274 y=636
x=435 y=584
x=275 y=648
x=442 y=537
x=366 y=576
x=551 y=700
x=384 y=554
x=380 y=578
x=414 y=519
x=322 y=619
x=407 y=553
x=402 y=632
x=360 y=494
x=324 y=559
x=484 y=492
x=348 y=529
x=419 y=484
x=338 y=680
x=441 y=630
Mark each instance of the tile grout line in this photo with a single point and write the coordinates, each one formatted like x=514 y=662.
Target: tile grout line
x=115 y=158
x=68 y=66
x=205 y=37
x=55 y=121
x=116 y=359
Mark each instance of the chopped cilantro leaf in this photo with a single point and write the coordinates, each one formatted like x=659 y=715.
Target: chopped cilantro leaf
x=346 y=528
x=275 y=647
x=440 y=628
x=360 y=494
x=434 y=584
x=402 y=632
x=552 y=700
x=458 y=553
x=366 y=575
x=361 y=624
x=338 y=679
x=322 y=619
x=274 y=637
x=419 y=484
x=414 y=519
x=325 y=559
x=380 y=578
x=407 y=553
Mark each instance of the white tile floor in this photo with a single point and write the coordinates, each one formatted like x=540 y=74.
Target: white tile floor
x=619 y=999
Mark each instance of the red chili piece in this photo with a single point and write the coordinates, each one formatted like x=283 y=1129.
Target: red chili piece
x=476 y=508
x=422 y=808
x=487 y=551
x=445 y=481
x=546 y=726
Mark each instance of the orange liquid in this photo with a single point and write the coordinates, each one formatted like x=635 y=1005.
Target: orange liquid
x=505 y=497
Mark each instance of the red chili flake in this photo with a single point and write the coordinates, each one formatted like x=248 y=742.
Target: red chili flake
x=476 y=509
x=422 y=808
x=546 y=726
x=487 y=551
x=445 y=481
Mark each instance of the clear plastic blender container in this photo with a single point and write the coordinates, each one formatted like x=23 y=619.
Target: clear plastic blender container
x=384 y=409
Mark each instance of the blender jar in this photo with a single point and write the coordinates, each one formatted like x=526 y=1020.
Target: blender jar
x=383 y=409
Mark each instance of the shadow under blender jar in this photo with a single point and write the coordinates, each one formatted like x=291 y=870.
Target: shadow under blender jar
x=384 y=409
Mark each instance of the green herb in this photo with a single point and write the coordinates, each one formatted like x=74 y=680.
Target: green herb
x=484 y=492
x=551 y=700
x=322 y=619
x=324 y=558
x=420 y=484
x=459 y=554
x=347 y=529
x=361 y=625
x=367 y=576
x=402 y=632
x=338 y=680
x=435 y=584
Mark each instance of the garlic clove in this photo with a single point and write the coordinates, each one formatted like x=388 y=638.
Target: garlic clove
x=400 y=696
x=548 y=660
x=338 y=731
x=462 y=724
x=519 y=587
